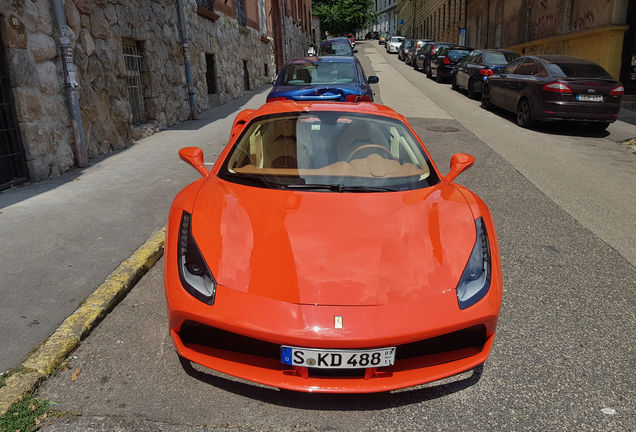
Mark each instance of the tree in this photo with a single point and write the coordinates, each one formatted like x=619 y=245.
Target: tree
x=343 y=16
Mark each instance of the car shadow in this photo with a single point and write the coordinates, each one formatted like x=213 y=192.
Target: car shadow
x=338 y=402
x=562 y=128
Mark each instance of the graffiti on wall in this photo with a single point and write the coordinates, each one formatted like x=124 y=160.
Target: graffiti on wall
x=558 y=48
x=546 y=26
x=584 y=21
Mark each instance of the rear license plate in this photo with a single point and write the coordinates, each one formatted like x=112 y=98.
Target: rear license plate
x=589 y=98
x=337 y=359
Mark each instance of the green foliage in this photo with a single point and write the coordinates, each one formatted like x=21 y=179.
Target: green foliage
x=25 y=415
x=343 y=16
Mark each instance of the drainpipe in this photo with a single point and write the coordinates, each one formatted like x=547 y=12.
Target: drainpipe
x=487 y=25
x=71 y=84
x=284 y=32
x=186 y=57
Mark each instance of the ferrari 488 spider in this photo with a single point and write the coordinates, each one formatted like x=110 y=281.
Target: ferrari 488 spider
x=326 y=252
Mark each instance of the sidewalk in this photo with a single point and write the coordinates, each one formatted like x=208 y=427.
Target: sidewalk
x=63 y=237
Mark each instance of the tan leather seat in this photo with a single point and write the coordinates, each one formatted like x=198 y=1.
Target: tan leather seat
x=360 y=133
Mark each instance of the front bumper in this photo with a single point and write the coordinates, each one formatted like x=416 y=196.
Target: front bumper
x=461 y=339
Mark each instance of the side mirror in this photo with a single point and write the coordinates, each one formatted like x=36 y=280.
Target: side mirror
x=459 y=163
x=355 y=51
x=194 y=156
x=373 y=79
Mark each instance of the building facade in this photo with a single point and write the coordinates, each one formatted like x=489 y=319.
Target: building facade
x=441 y=20
x=126 y=63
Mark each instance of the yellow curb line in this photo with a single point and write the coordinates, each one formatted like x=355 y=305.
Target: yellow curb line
x=78 y=326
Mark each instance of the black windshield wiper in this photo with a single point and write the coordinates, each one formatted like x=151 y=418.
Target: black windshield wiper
x=339 y=188
x=259 y=179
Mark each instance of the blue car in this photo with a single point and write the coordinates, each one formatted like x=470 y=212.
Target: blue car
x=329 y=79
x=473 y=71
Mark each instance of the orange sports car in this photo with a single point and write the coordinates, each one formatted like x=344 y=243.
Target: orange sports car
x=325 y=252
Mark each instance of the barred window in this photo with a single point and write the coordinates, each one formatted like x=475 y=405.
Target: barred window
x=136 y=87
x=241 y=12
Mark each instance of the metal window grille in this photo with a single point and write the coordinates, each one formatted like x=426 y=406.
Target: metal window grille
x=564 y=16
x=13 y=169
x=208 y=4
x=136 y=87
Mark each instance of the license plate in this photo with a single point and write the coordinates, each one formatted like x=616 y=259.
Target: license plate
x=589 y=98
x=337 y=359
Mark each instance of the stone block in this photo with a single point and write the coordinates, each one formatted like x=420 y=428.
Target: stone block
x=16 y=32
x=27 y=104
x=21 y=67
x=100 y=27
x=83 y=6
x=48 y=78
x=73 y=18
x=42 y=47
x=87 y=43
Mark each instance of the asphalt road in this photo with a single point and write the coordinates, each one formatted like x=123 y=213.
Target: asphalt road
x=564 y=355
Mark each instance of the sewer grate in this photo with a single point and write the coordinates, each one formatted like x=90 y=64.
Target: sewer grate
x=442 y=129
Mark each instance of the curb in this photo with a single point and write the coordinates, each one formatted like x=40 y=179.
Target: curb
x=39 y=364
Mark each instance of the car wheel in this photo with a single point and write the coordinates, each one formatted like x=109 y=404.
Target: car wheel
x=415 y=63
x=598 y=127
x=471 y=90
x=524 y=116
x=454 y=84
x=439 y=78
x=485 y=98
x=429 y=73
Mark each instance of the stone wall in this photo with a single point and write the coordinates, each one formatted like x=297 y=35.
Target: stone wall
x=98 y=30
x=298 y=40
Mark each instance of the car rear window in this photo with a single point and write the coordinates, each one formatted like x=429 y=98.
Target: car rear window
x=458 y=53
x=319 y=73
x=329 y=48
x=577 y=70
x=499 y=58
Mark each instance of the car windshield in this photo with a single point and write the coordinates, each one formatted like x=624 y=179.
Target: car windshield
x=397 y=39
x=336 y=48
x=492 y=58
x=329 y=152
x=319 y=73
x=577 y=70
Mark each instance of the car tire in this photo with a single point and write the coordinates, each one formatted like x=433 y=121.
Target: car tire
x=471 y=90
x=429 y=73
x=598 y=127
x=439 y=78
x=485 y=98
x=524 y=115
x=415 y=64
x=454 y=85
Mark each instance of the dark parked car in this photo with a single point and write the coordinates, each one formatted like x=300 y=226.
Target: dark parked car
x=404 y=48
x=422 y=60
x=339 y=46
x=472 y=72
x=374 y=35
x=410 y=56
x=551 y=87
x=331 y=79
x=444 y=60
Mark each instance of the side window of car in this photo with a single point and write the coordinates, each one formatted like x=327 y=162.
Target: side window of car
x=511 y=67
x=477 y=58
x=526 y=68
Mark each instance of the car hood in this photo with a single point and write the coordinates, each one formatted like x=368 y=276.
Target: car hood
x=330 y=248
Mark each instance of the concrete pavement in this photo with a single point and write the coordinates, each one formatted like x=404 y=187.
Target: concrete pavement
x=63 y=237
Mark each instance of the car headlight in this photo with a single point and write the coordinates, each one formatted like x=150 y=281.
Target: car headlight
x=194 y=273
x=475 y=280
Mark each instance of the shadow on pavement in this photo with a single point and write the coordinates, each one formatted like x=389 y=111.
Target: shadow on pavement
x=337 y=402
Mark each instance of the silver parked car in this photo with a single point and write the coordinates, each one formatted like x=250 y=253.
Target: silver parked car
x=393 y=43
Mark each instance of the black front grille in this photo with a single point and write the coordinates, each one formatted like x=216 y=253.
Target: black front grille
x=196 y=333
x=193 y=332
x=473 y=337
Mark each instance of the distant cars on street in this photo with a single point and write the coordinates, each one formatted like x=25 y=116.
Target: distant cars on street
x=473 y=71
x=551 y=87
x=444 y=60
x=332 y=79
x=382 y=38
